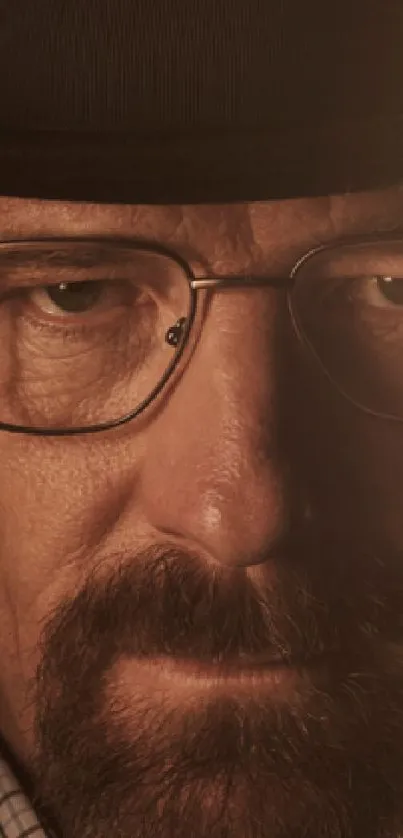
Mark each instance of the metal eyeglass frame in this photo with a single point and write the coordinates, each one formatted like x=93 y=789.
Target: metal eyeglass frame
x=195 y=284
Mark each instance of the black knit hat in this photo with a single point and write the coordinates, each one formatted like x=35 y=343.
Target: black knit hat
x=187 y=101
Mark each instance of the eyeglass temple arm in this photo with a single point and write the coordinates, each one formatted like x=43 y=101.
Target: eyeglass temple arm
x=234 y=281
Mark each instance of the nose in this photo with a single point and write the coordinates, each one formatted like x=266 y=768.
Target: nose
x=213 y=473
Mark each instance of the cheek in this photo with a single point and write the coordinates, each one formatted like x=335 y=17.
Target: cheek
x=39 y=517
x=379 y=463
x=57 y=500
x=55 y=503
x=353 y=464
x=42 y=501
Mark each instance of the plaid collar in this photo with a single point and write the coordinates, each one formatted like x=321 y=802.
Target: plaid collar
x=17 y=817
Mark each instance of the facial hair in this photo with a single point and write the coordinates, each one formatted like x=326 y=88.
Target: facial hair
x=323 y=760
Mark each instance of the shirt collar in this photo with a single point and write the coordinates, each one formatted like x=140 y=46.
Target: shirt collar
x=17 y=817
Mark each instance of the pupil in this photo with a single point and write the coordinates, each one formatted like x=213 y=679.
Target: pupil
x=391 y=289
x=75 y=296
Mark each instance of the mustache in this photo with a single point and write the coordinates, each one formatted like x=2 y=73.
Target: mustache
x=324 y=597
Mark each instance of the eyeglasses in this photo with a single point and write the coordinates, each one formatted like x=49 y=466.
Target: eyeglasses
x=92 y=330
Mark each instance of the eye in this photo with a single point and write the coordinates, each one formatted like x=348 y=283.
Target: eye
x=72 y=297
x=391 y=288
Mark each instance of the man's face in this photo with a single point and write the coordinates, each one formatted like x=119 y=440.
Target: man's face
x=253 y=510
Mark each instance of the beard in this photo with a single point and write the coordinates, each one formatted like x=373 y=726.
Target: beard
x=319 y=757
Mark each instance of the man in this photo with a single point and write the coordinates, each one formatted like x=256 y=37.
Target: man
x=201 y=408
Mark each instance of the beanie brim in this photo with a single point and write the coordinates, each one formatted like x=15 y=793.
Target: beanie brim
x=284 y=160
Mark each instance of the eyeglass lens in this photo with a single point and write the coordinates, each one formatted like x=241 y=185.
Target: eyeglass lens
x=348 y=304
x=86 y=331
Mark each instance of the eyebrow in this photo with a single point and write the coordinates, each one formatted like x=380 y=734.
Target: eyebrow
x=386 y=217
x=83 y=254
x=20 y=261
x=386 y=222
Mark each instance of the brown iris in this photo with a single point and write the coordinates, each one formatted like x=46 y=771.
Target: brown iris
x=75 y=296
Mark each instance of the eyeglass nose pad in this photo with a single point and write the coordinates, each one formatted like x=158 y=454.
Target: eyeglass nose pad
x=174 y=334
